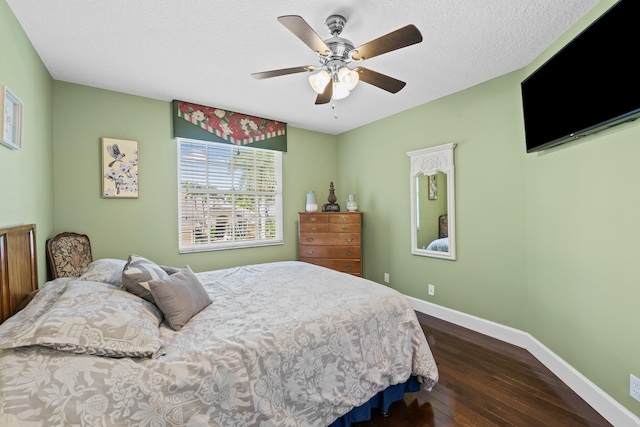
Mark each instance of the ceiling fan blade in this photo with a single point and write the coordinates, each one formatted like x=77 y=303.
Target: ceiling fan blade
x=380 y=80
x=282 y=72
x=403 y=37
x=304 y=32
x=325 y=96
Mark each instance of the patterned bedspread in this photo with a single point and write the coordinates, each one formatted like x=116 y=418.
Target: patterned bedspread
x=282 y=344
x=441 y=244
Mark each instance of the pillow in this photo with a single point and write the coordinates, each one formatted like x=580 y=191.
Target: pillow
x=94 y=318
x=105 y=270
x=137 y=273
x=180 y=297
x=169 y=270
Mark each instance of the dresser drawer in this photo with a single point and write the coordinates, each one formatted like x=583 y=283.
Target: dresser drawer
x=348 y=227
x=315 y=218
x=314 y=227
x=346 y=266
x=346 y=239
x=340 y=252
x=342 y=218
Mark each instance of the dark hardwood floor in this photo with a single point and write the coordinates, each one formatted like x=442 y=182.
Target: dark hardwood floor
x=486 y=382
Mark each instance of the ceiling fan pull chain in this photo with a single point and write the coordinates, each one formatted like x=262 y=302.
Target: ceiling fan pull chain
x=335 y=110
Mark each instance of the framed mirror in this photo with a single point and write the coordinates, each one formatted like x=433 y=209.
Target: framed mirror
x=433 y=207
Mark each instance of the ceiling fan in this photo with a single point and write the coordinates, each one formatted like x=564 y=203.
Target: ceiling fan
x=336 y=53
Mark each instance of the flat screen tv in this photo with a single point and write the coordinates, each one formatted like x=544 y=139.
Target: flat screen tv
x=589 y=85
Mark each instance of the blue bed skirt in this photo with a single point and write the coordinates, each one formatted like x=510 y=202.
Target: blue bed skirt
x=381 y=401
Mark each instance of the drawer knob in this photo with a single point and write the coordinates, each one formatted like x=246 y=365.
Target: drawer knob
x=349 y=266
x=344 y=219
x=314 y=228
x=309 y=239
x=345 y=227
x=349 y=239
x=349 y=253
x=309 y=252
x=313 y=219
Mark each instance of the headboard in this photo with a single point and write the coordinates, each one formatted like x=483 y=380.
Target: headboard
x=443 y=226
x=18 y=267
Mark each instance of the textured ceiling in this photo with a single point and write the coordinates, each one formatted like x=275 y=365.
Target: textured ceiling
x=204 y=51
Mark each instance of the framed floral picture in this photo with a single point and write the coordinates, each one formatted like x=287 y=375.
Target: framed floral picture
x=11 y=125
x=433 y=187
x=119 y=168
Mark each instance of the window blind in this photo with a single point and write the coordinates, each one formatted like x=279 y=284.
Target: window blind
x=229 y=196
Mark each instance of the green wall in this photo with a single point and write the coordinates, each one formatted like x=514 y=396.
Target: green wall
x=547 y=242
x=148 y=225
x=582 y=252
x=26 y=176
x=488 y=277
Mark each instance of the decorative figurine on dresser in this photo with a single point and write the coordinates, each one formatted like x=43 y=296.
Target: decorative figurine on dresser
x=332 y=206
x=332 y=240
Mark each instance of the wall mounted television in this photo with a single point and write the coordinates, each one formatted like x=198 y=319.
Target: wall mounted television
x=591 y=84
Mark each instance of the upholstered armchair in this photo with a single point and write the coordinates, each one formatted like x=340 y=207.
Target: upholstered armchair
x=68 y=254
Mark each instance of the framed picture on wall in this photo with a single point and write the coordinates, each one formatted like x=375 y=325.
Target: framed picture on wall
x=11 y=125
x=433 y=187
x=119 y=168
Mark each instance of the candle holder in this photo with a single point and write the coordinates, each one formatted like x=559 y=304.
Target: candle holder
x=332 y=206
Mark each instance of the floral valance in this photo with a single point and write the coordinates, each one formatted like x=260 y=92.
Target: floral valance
x=218 y=125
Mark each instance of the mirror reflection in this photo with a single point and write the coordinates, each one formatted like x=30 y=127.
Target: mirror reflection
x=432 y=223
x=433 y=202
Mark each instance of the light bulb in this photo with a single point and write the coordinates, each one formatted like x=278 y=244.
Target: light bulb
x=319 y=81
x=340 y=90
x=349 y=77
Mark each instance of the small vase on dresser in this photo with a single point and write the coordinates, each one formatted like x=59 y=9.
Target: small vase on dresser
x=312 y=204
x=352 y=205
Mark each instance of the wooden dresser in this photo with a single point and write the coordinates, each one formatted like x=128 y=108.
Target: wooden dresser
x=331 y=239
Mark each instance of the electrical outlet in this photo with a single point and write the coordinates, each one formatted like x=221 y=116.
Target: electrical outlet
x=432 y=289
x=635 y=388
x=386 y=277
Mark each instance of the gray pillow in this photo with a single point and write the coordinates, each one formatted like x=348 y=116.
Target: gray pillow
x=169 y=270
x=180 y=297
x=138 y=272
x=93 y=318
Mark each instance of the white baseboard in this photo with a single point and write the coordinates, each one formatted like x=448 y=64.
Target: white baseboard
x=606 y=406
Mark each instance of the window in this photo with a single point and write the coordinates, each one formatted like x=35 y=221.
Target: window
x=228 y=196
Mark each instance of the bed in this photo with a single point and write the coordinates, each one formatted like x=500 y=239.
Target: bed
x=18 y=267
x=441 y=244
x=275 y=346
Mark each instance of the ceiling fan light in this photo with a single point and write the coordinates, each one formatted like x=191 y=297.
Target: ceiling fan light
x=340 y=90
x=319 y=81
x=348 y=77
